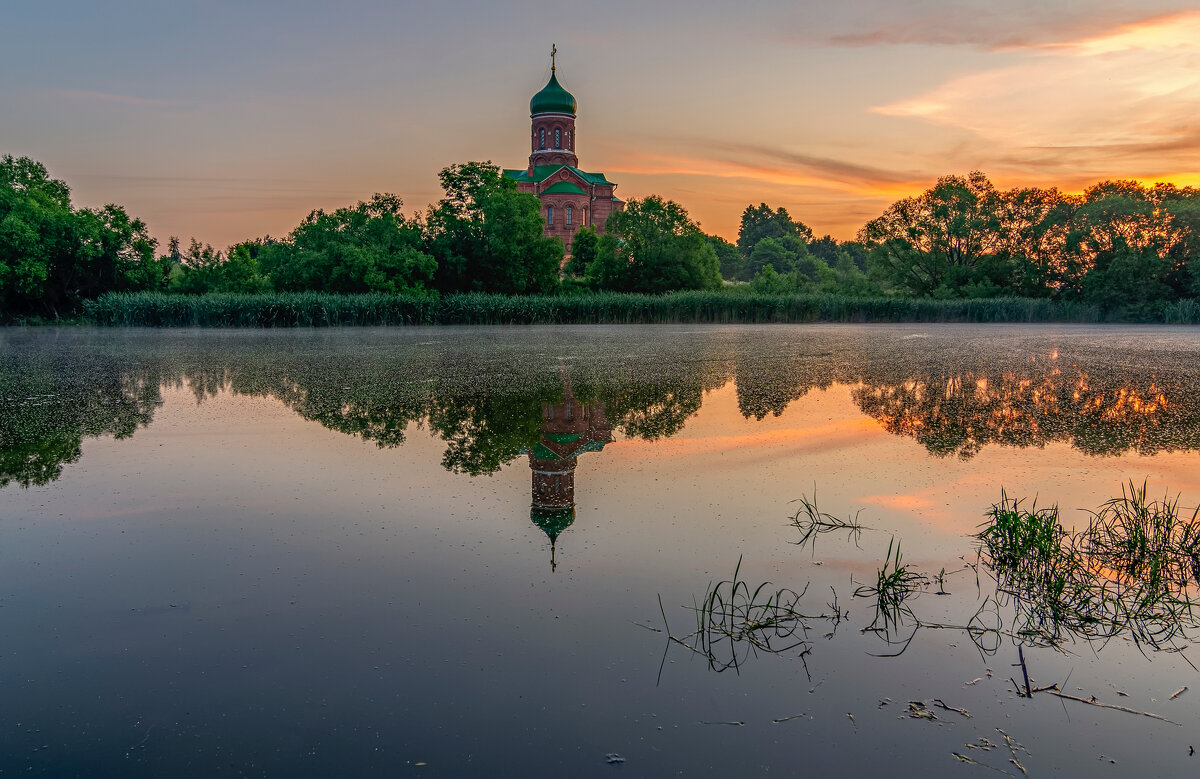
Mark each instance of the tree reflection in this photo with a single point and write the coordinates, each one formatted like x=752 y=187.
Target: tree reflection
x=48 y=408
x=1107 y=414
x=488 y=405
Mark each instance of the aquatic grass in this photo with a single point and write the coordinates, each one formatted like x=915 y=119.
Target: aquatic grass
x=895 y=584
x=1132 y=570
x=737 y=305
x=1143 y=540
x=734 y=622
x=813 y=523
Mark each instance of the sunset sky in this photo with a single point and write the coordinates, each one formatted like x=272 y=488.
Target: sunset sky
x=231 y=120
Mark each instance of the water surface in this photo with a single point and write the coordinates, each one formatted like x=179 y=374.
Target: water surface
x=442 y=551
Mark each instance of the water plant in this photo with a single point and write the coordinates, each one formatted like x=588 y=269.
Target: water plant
x=734 y=621
x=813 y=523
x=1143 y=540
x=895 y=584
x=1132 y=570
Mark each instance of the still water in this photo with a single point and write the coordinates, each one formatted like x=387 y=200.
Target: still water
x=463 y=552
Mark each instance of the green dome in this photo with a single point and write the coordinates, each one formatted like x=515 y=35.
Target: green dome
x=553 y=99
x=552 y=521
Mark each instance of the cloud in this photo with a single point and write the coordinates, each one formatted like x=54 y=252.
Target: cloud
x=1127 y=99
x=766 y=164
x=981 y=23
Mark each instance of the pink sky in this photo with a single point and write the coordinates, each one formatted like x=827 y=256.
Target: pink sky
x=226 y=121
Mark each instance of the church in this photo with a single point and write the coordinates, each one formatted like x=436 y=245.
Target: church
x=571 y=198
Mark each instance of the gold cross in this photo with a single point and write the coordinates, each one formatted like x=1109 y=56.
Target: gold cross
x=553 y=53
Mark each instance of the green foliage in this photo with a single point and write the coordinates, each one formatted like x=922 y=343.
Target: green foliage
x=1118 y=227
x=939 y=242
x=583 y=251
x=52 y=256
x=785 y=254
x=768 y=282
x=759 y=222
x=652 y=246
x=729 y=257
x=369 y=247
x=895 y=583
x=488 y=237
x=202 y=269
x=1121 y=246
x=1133 y=569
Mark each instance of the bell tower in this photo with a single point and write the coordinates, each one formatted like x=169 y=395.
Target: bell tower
x=552 y=115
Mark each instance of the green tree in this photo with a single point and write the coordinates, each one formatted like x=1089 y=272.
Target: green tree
x=369 y=247
x=1034 y=224
x=53 y=256
x=784 y=253
x=768 y=282
x=759 y=222
x=488 y=237
x=942 y=243
x=653 y=246
x=583 y=251
x=1120 y=231
x=729 y=257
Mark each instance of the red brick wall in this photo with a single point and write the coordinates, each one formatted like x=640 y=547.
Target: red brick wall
x=565 y=154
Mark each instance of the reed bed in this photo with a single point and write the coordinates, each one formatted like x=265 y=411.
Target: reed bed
x=313 y=309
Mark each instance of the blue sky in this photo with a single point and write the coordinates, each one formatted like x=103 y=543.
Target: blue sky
x=226 y=121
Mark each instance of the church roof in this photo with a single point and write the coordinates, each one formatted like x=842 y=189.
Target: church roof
x=542 y=172
x=553 y=99
x=562 y=186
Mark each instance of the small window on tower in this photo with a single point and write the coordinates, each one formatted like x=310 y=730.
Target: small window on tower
x=542 y=138
x=557 y=138
x=550 y=215
x=568 y=215
x=570 y=141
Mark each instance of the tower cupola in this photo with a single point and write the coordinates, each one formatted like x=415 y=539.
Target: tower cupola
x=553 y=113
x=553 y=99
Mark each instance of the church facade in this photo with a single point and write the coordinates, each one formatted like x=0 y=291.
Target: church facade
x=571 y=198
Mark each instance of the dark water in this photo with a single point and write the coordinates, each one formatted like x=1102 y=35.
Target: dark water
x=442 y=552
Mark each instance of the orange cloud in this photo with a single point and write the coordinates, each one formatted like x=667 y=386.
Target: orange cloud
x=1119 y=104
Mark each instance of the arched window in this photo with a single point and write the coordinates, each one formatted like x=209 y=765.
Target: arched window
x=542 y=138
x=570 y=141
x=557 y=138
x=568 y=215
x=550 y=215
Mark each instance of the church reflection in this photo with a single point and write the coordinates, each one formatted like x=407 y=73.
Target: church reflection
x=569 y=430
x=492 y=407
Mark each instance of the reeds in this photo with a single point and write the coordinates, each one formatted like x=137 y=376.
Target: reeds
x=895 y=584
x=1133 y=570
x=313 y=309
x=734 y=621
x=813 y=523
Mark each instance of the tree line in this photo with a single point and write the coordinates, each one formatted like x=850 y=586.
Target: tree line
x=1120 y=245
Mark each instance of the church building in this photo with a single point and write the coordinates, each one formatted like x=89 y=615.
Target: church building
x=571 y=198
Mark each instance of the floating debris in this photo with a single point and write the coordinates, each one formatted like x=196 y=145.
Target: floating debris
x=918 y=710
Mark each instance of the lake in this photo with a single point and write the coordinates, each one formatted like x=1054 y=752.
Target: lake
x=512 y=551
